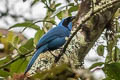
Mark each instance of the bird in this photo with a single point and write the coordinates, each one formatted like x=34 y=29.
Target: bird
x=53 y=39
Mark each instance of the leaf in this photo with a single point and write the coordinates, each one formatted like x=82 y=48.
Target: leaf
x=53 y=21
x=115 y=54
x=110 y=46
x=112 y=71
x=16 y=41
x=38 y=35
x=62 y=14
x=18 y=66
x=0 y=34
x=28 y=46
x=43 y=1
x=7 y=40
x=59 y=15
x=71 y=4
x=96 y=64
x=57 y=4
x=100 y=50
x=4 y=73
x=10 y=39
x=10 y=36
x=26 y=24
x=5 y=60
x=73 y=8
x=5 y=43
x=117 y=14
x=35 y=1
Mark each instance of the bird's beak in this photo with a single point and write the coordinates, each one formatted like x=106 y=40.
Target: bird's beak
x=73 y=17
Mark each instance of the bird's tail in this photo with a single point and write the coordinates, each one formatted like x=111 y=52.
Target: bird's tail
x=37 y=53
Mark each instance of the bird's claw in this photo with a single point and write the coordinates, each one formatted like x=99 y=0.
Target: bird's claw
x=56 y=57
x=53 y=55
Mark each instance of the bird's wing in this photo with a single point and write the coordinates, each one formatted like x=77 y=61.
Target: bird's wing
x=49 y=36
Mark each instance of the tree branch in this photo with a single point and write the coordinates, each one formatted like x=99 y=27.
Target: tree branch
x=83 y=21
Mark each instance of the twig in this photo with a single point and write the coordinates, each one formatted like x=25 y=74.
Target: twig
x=83 y=20
x=37 y=22
x=15 y=59
x=44 y=21
x=52 y=10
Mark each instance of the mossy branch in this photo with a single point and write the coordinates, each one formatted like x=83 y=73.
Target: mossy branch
x=84 y=19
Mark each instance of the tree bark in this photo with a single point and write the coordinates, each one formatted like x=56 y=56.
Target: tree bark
x=92 y=30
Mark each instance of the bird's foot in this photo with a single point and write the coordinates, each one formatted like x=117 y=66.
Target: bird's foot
x=57 y=57
x=53 y=55
x=60 y=49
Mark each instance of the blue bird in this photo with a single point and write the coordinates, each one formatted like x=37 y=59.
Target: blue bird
x=53 y=39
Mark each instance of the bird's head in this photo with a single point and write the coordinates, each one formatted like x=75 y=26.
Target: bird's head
x=67 y=22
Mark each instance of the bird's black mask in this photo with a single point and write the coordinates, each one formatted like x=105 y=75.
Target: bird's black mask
x=67 y=20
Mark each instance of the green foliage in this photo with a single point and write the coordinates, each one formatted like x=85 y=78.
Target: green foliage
x=0 y=36
x=110 y=46
x=38 y=35
x=96 y=64
x=10 y=37
x=16 y=41
x=28 y=46
x=100 y=50
x=43 y=1
x=26 y=24
x=7 y=41
x=73 y=8
x=35 y=1
x=18 y=66
x=115 y=54
x=57 y=4
x=11 y=42
x=5 y=60
x=60 y=14
x=112 y=71
x=4 y=73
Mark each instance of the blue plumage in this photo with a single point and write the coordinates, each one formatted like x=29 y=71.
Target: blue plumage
x=53 y=39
